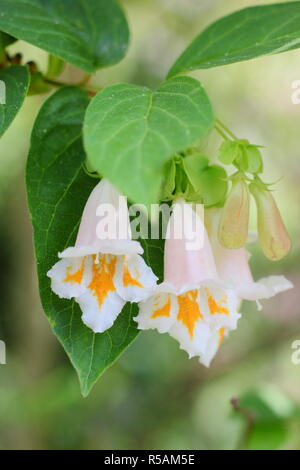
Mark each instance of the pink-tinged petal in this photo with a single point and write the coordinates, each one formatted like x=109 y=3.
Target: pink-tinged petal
x=114 y=247
x=188 y=256
x=233 y=266
x=233 y=228
x=134 y=279
x=264 y=288
x=104 y=225
x=70 y=277
x=273 y=237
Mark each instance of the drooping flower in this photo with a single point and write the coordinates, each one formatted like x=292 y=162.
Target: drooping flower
x=191 y=304
x=273 y=237
x=104 y=269
x=233 y=266
x=233 y=226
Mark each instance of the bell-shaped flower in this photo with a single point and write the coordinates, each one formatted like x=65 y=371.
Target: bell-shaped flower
x=273 y=237
x=233 y=227
x=233 y=266
x=104 y=269
x=192 y=304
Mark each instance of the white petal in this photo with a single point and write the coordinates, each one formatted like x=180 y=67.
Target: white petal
x=264 y=288
x=190 y=329
x=196 y=344
x=158 y=312
x=134 y=279
x=101 y=303
x=220 y=307
x=213 y=344
x=69 y=277
x=100 y=317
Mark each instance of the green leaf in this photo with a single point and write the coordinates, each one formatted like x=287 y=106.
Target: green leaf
x=169 y=180
x=255 y=161
x=208 y=183
x=229 y=151
x=88 y=34
x=243 y=35
x=267 y=436
x=58 y=189
x=130 y=132
x=212 y=185
x=5 y=40
x=194 y=165
x=14 y=83
x=269 y=430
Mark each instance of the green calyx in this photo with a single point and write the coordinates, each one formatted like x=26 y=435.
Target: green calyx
x=194 y=179
x=243 y=155
x=258 y=184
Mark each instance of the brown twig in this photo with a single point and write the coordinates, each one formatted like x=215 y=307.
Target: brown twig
x=249 y=421
x=92 y=91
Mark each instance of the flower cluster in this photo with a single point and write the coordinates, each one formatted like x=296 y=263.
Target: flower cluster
x=204 y=282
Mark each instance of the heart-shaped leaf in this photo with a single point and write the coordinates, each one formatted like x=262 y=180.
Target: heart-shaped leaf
x=14 y=83
x=243 y=35
x=58 y=189
x=130 y=132
x=89 y=35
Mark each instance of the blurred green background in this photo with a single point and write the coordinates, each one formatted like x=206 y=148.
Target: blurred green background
x=154 y=397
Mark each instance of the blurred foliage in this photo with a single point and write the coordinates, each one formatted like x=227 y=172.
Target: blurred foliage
x=154 y=397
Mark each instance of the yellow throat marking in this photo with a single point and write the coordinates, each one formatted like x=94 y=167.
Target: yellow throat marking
x=75 y=277
x=128 y=279
x=189 y=311
x=215 y=307
x=102 y=277
x=164 y=311
x=221 y=335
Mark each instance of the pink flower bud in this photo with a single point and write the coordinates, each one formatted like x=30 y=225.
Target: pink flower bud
x=233 y=228
x=273 y=237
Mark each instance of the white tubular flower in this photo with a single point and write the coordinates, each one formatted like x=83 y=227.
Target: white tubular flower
x=233 y=265
x=192 y=304
x=104 y=269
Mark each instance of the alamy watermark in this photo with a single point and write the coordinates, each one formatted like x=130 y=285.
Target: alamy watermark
x=2 y=92
x=187 y=222
x=296 y=354
x=295 y=97
x=2 y=352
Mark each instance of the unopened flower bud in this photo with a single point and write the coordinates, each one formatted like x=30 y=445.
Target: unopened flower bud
x=233 y=228
x=273 y=237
